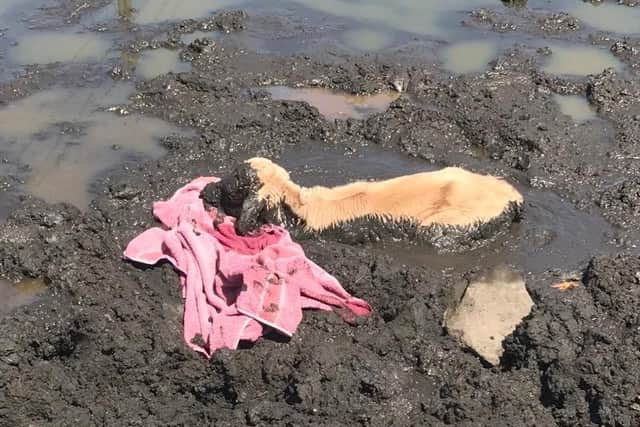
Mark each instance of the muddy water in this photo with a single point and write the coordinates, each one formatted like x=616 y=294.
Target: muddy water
x=7 y=5
x=48 y=47
x=334 y=105
x=579 y=60
x=469 y=56
x=20 y=44
x=15 y=295
x=10 y=10
x=553 y=234
x=424 y=17
x=155 y=62
x=147 y=12
x=575 y=106
x=61 y=138
x=604 y=16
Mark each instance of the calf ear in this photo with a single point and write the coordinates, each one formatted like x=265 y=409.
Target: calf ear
x=251 y=218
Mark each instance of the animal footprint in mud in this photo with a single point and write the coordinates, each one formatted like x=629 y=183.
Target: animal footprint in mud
x=451 y=199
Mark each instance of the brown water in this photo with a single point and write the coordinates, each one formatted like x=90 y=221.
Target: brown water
x=607 y=16
x=67 y=136
x=424 y=17
x=146 y=12
x=372 y=25
x=155 y=62
x=577 y=107
x=15 y=295
x=334 y=105
x=469 y=56
x=48 y=47
x=579 y=60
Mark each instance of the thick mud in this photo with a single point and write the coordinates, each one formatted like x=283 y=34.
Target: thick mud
x=103 y=345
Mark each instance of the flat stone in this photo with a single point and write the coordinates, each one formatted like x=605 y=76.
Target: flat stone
x=489 y=311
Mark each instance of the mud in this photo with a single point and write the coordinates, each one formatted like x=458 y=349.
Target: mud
x=104 y=344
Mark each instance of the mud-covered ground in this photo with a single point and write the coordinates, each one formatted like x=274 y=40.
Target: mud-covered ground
x=104 y=346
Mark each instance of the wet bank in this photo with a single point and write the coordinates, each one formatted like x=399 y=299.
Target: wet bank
x=104 y=345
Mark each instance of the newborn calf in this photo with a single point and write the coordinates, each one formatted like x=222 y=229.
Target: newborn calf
x=259 y=191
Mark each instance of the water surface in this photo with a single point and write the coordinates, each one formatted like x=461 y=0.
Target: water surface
x=575 y=106
x=156 y=62
x=65 y=136
x=333 y=105
x=580 y=60
x=15 y=295
x=469 y=56
x=48 y=47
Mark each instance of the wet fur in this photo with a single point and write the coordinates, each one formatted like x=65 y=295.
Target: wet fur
x=451 y=208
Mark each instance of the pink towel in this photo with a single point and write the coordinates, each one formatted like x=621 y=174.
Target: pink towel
x=235 y=286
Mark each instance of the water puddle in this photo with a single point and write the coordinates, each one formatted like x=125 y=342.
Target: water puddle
x=423 y=17
x=334 y=105
x=155 y=62
x=11 y=10
x=576 y=107
x=147 y=12
x=7 y=6
x=607 y=16
x=65 y=137
x=15 y=295
x=553 y=234
x=50 y=47
x=580 y=60
x=599 y=15
x=366 y=39
x=469 y=56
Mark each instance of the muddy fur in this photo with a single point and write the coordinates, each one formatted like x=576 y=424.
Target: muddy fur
x=238 y=194
x=444 y=238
